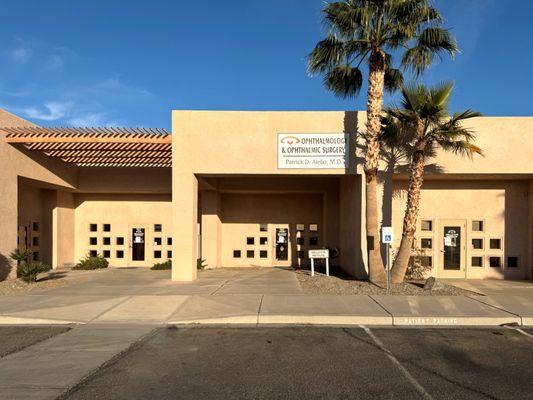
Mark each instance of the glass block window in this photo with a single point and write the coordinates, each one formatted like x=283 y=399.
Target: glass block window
x=169 y=254
x=300 y=227
x=477 y=226
x=158 y=241
x=93 y=241
x=120 y=254
x=426 y=225
x=93 y=227
x=107 y=241
x=263 y=254
x=495 y=243
x=313 y=228
x=300 y=241
x=236 y=254
x=107 y=227
x=313 y=241
x=426 y=261
x=477 y=261
x=477 y=244
x=35 y=227
x=35 y=256
x=120 y=241
x=426 y=243
x=35 y=241
x=107 y=254
x=250 y=254
x=512 y=262
x=93 y=253
x=495 y=262
x=263 y=227
x=169 y=241
x=158 y=228
x=250 y=240
x=263 y=241
x=157 y=254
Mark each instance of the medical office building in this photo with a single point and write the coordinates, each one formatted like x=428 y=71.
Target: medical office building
x=241 y=189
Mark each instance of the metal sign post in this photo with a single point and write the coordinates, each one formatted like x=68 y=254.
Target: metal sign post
x=387 y=237
x=320 y=253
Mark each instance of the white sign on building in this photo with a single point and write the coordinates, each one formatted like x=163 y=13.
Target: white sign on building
x=313 y=150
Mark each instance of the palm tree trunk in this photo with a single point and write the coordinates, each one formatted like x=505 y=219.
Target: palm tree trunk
x=416 y=179
x=373 y=127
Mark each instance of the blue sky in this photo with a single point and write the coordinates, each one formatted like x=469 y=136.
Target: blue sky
x=130 y=62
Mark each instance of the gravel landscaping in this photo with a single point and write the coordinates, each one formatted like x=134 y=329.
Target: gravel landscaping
x=48 y=280
x=338 y=283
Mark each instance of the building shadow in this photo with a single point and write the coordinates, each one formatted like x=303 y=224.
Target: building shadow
x=6 y=267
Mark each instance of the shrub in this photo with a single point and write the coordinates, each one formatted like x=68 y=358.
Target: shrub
x=161 y=266
x=89 y=262
x=20 y=255
x=418 y=267
x=28 y=271
x=200 y=264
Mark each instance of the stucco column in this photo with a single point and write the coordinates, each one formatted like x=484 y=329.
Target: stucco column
x=8 y=224
x=63 y=232
x=210 y=228
x=530 y=230
x=184 y=226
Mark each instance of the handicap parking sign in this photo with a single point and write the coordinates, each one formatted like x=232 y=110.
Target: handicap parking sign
x=387 y=235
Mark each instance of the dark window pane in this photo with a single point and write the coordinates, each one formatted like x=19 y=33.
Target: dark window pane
x=120 y=254
x=250 y=240
x=107 y=228
x=426 y=243
x=477 y=261
x=512 y=262
x=158 y=228
x=250 y=254
x=300 y=241
x=36 y=227
x=120 y=241
x=93 y=253
x=93 y=227
x=169 y=254
x=263 y=227
x=477 y=244
x=477 y=226
x=157 y=254
x=35 y=240
x=263 y=254
x=263 y=240
x=495 y=244
x=169 y=241
x=495 y=262
x=313 y=241
x=107 y=241
x=426 y=225
x=93 y=241
x=301 y=254
x=158 y=241
x=107 y=254
x=35 y=255
x=236 y=254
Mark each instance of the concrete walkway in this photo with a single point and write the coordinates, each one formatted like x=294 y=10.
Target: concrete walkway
x=250 y=296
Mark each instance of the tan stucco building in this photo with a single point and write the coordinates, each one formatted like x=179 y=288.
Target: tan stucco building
x=258 y=189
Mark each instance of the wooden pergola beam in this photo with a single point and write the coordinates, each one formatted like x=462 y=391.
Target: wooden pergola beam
x=89 y=139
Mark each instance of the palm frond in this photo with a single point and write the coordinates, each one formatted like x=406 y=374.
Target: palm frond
x=461 y=147
x=327 y=54
x=393 y=79
x=344 y=81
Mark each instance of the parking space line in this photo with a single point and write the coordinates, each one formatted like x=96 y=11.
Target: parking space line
x=395 y=361
x=514 y=328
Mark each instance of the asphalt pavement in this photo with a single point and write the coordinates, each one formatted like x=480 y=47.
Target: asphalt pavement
x=319 y=363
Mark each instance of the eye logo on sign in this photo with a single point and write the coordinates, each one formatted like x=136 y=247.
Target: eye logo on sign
x=290 y=140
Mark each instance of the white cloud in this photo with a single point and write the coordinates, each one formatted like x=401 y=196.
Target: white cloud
x=21 y=54
x=98 y=119
x=50 y=111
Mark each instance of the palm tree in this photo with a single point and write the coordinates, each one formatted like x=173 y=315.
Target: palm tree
x=370 y=31
x=425 y=126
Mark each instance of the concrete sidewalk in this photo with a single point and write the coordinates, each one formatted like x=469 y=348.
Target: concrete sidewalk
x=255 y=296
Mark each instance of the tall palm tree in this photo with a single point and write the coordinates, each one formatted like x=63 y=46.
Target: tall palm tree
x=369 y=31
x=425 y=126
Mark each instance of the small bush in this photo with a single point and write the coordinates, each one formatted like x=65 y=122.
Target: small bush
x=418 y=267
x=20 y=255
x=28 y=271
x=200 y=264
x=90 y=262
x=161 y=266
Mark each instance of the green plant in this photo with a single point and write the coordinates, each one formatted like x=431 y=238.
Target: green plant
x=366 y=34
x=91 y=262
x=162 y=266
x=20 y=255
x=28 y=271
x=418 y=266
x=200 y=264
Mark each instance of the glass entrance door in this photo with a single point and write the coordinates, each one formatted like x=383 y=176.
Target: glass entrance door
x=453 y=249
x=138 y=244
x=282 y=251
